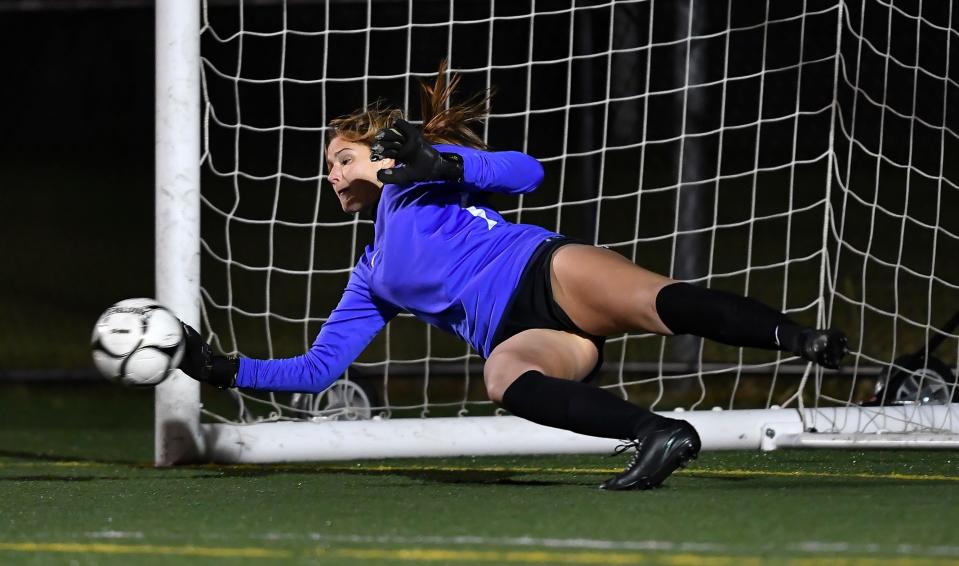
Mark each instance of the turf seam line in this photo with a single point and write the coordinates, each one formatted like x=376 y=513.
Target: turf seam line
x=694 y=472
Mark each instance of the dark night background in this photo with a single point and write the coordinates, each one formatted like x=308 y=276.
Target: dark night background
x=76 y=139
x=76 y=176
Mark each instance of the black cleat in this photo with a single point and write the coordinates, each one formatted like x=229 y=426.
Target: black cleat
x=823 y=347
x=669 y=445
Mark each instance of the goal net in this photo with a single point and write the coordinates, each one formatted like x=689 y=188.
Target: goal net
x=795 y=152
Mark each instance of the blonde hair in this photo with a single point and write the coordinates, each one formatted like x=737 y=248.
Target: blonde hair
x=443 y=122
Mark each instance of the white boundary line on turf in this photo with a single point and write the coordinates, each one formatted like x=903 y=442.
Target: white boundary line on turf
x=114 y=534
x=594 y=544
x=807 y=547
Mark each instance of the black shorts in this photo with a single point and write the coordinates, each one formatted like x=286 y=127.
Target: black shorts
x=532 y=304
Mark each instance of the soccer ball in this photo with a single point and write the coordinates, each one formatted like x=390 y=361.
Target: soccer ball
x=137 y=342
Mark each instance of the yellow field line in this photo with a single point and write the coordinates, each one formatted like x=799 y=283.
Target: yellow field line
x=56 y=463
x=466 y=556
x=705 y=472
x=692 y=472
x=593 y=557
x=862 y=475
x=106 y=548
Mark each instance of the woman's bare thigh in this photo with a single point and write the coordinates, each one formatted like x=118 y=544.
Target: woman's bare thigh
x=604 y=293
x=553 y=352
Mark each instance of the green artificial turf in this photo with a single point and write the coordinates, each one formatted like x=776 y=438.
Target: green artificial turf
x=77 y=486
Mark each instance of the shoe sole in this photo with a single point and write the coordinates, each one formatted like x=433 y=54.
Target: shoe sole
x=833 y=353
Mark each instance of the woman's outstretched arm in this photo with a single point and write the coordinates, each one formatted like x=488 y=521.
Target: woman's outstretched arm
x=355 y=321
x=510 y=172
x=351 y=326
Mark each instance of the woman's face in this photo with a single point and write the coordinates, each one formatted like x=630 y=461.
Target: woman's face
x=353 y=175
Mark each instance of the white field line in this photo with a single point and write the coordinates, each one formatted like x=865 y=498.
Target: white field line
x=812 y=547
x=114 y=535
x=804 y=547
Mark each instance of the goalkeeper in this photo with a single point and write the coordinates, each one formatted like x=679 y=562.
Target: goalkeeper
x=535 y=304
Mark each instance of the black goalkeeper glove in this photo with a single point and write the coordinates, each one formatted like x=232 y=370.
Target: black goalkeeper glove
x=200 y=363
x=404 y=143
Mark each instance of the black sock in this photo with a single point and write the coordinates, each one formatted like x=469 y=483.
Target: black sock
x=574 y=406
x=725 y=317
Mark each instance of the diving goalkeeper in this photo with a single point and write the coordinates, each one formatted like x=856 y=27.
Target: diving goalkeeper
x=535 y=304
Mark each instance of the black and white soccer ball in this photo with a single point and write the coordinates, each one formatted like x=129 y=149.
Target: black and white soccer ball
x=137 y=342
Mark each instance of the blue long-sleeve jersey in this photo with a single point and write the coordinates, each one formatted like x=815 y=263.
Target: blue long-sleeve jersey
x=438 y=254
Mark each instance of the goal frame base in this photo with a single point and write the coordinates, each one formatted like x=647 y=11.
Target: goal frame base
x=761 y=429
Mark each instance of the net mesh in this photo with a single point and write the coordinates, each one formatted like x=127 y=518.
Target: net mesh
x=795 y=152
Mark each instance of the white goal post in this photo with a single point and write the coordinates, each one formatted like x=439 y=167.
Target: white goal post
x=797 y=152
x=178 y=437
